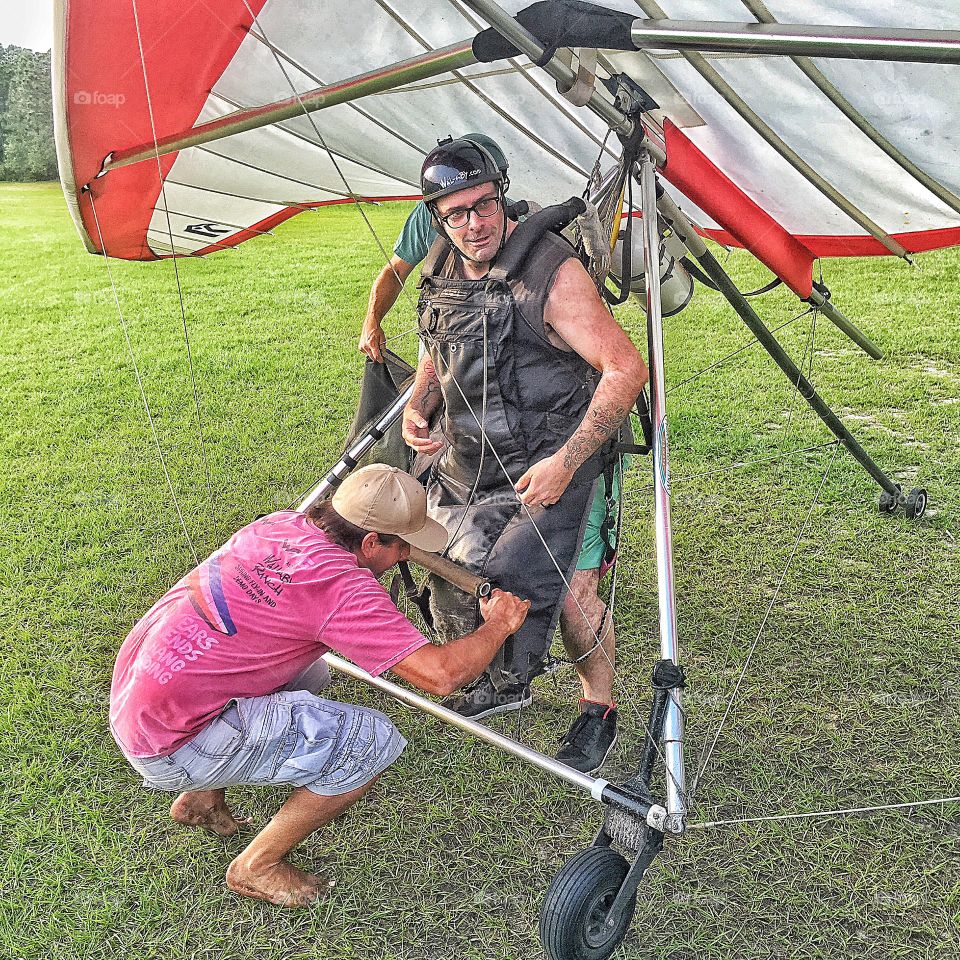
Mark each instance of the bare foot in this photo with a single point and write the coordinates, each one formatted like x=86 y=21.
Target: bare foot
x=208 y=810
x=281 y=884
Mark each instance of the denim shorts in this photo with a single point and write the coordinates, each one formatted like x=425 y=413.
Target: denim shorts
x=291 y=737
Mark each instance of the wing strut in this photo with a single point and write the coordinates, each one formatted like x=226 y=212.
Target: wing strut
x=426 y=65
x=711 y=266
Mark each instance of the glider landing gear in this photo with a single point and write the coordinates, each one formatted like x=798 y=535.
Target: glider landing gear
x=577 y=922
x=914 y=503
x=590 y=904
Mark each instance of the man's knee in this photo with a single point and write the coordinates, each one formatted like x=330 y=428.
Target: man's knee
x=315 y=679
x=363 y=752
x=583 y=588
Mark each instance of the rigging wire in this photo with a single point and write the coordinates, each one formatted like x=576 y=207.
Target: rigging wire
x=842 y=811
x=740 y=465
x=174 y=257
x=751 y=343
x=323 y=142
x=761 y=558
x=776 y=594
x=136 y=370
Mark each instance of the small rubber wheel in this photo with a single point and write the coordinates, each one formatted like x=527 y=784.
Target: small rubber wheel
x=888 y=501
x=573 y=919
x=915 y=506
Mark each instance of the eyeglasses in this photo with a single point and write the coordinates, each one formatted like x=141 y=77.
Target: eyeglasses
x=458 y=219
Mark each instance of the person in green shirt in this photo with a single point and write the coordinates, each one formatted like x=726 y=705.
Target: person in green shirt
x=415 y=240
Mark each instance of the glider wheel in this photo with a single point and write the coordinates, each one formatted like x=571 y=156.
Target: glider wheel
x=573 y=921
x=889 y=501
x=916 y=503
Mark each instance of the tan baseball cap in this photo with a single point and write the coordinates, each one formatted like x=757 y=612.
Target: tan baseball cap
x=387 y=500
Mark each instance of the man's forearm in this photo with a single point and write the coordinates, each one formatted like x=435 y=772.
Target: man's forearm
x=383 y=295
x=427 y=395
x=616 y=393
x=465 y=659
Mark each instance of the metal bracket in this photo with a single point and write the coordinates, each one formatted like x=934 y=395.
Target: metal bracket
x=638 y=870
x=628 y=96
x=581 y=90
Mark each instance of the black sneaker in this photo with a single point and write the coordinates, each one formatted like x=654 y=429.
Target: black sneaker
x=590 y=738
x=481 y=699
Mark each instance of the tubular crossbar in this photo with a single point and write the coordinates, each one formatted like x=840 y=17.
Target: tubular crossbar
x=341 y=469
x=422 y=67
x=601 y=790
x=796 y=39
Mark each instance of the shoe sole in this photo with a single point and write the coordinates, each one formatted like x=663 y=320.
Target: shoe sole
x=501 y=708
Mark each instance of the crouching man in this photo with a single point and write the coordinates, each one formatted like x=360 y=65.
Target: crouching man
x=218 y=684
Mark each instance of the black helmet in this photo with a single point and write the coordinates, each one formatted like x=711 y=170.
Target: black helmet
x=456 y=165
x=492 y=147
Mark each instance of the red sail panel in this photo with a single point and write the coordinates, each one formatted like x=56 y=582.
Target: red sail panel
x=744 y=222
x=106 y=99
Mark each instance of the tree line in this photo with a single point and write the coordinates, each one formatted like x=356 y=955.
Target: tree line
x=27 y=150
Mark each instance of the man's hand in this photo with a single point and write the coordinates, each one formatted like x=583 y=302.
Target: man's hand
x=543 y=484
x=416 y=433
x=505 y=610
x=373 y=341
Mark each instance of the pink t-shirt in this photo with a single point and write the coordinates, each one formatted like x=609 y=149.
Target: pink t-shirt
x=244 y=623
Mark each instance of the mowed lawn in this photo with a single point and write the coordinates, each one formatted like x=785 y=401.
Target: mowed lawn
x=850 y=699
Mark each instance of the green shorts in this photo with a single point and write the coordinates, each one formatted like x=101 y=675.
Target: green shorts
x=594 y=547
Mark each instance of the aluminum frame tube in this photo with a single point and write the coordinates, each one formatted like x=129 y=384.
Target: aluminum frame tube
x=796 y=39
x=422 y=67
x=845 y=324
x=669 y=647
x=698 y=249
x=456 y=575
x=599 y=789
x=340 y=470
x=527 y=43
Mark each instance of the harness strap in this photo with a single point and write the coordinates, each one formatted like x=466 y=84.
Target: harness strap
x=436 y=257
x=419 y=598
x=528 y=234
x=698 y=274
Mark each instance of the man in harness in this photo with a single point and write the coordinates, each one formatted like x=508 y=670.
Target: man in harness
x=529 y=378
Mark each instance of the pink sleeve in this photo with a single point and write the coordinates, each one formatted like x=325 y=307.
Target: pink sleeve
x=369 y=630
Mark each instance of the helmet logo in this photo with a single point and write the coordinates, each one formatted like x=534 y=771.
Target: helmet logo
x=462 y=175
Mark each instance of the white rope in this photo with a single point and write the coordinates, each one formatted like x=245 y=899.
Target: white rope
x=136 y=370
x=763 y=624
x=176 y=268
x=844 y=811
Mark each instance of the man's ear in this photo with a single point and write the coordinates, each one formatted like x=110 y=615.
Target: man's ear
x=369 y=544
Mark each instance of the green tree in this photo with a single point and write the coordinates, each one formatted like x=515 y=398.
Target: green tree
x=27 y=150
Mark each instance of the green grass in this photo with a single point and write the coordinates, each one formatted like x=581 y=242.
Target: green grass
x=851 y=698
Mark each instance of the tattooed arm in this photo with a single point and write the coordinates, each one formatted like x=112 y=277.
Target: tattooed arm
x=575 y=314
x=426 y=400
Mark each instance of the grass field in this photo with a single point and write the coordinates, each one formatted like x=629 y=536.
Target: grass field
x=852 y=696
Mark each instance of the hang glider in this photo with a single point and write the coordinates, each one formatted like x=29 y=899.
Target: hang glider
x=187 y=135
x=200 y=145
